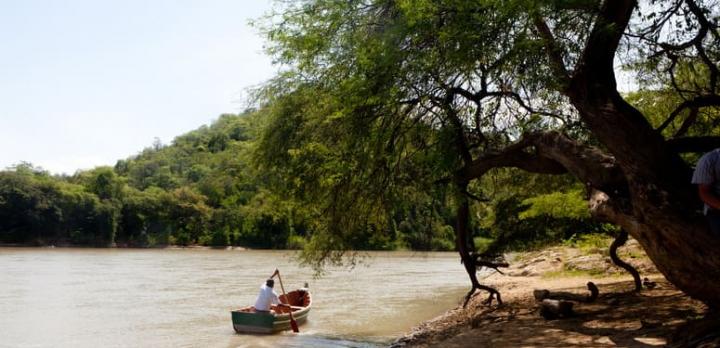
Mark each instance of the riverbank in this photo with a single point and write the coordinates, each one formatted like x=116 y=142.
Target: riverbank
x=619 y=317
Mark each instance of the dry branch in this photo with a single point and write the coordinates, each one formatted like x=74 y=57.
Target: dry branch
x=542 y=295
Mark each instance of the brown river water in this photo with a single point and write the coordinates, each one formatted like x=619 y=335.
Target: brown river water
x=64 y=297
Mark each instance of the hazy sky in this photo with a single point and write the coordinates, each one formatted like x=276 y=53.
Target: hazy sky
x=86 y=82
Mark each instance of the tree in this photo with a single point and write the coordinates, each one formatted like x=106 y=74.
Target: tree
x=102 y=181
x=30 y=210
x=189 y=214
x=378 y=95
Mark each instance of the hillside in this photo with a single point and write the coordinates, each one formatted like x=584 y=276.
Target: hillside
x=197 y=190
x=202 y=189
x=206 y=188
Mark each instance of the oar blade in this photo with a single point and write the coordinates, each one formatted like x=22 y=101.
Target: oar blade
x=294 y=325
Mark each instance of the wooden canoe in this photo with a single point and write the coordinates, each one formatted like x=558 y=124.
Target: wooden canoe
x=247 y=320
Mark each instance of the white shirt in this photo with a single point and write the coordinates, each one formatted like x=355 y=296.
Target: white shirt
x=266 y=298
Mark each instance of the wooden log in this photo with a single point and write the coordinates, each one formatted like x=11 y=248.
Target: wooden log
x=543 y=294
x=553 y=309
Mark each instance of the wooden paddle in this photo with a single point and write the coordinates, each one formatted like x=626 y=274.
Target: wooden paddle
x=293 y=323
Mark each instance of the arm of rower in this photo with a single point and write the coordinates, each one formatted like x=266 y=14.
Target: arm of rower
x=708 y=196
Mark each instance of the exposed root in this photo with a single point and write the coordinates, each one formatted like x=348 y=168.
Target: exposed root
x=493 y=294
x=619 y=241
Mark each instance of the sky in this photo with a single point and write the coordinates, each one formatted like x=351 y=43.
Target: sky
x=84 y=83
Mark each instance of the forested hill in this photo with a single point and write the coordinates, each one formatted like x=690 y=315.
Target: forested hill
x=205 y=189
x=198 y=190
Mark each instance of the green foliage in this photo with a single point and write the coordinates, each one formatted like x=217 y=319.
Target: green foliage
x=193 y=195
x=565 y=273
x=296 y=242
x=342 y=135
x=36 y=208
x=202 y=189
x=482 y=243
x=101 y=181
x=559 y=205
x=589 y=242
x=526 y=211
x=360 y=127
x=219 y=237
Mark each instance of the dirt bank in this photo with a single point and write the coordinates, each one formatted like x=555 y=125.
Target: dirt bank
x=619 y=317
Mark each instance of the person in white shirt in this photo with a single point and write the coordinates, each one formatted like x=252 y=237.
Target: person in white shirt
x=267 y=297
x=707 y=177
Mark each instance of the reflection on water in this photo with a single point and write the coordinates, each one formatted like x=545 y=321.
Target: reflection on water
x=182 y=297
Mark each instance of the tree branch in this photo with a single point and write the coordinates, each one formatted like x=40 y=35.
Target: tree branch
x=697 y=102
x=689 y=121
x=554 y=51
x=553 y=153
x=596 y=62
x=457 y=125
x=694 y=144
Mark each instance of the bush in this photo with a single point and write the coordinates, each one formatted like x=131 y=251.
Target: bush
x=296 y=242
x=220 y=237
x=589 y=242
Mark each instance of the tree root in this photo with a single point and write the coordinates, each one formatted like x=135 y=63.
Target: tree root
x=619 y=241
x=479 y=261
x=466 y=249
x=494 y=294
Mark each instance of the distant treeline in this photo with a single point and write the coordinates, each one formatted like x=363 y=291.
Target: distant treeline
x=204 y=189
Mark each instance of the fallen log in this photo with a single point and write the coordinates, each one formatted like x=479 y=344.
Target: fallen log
x=541 y=295
x=553 y=309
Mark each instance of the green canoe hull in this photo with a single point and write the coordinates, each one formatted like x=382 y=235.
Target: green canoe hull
x=266 y=323
x=246 y=320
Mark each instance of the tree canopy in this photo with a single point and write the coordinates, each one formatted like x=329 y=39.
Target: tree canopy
x=380 y=99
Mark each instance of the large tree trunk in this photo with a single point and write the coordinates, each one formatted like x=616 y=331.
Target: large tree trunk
x=660 y=209
x=644 y=186
x=680 y=246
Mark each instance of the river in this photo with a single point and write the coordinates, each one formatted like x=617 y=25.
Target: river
x=66 y=297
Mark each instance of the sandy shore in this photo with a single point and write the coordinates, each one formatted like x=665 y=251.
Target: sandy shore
x=618 y=318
